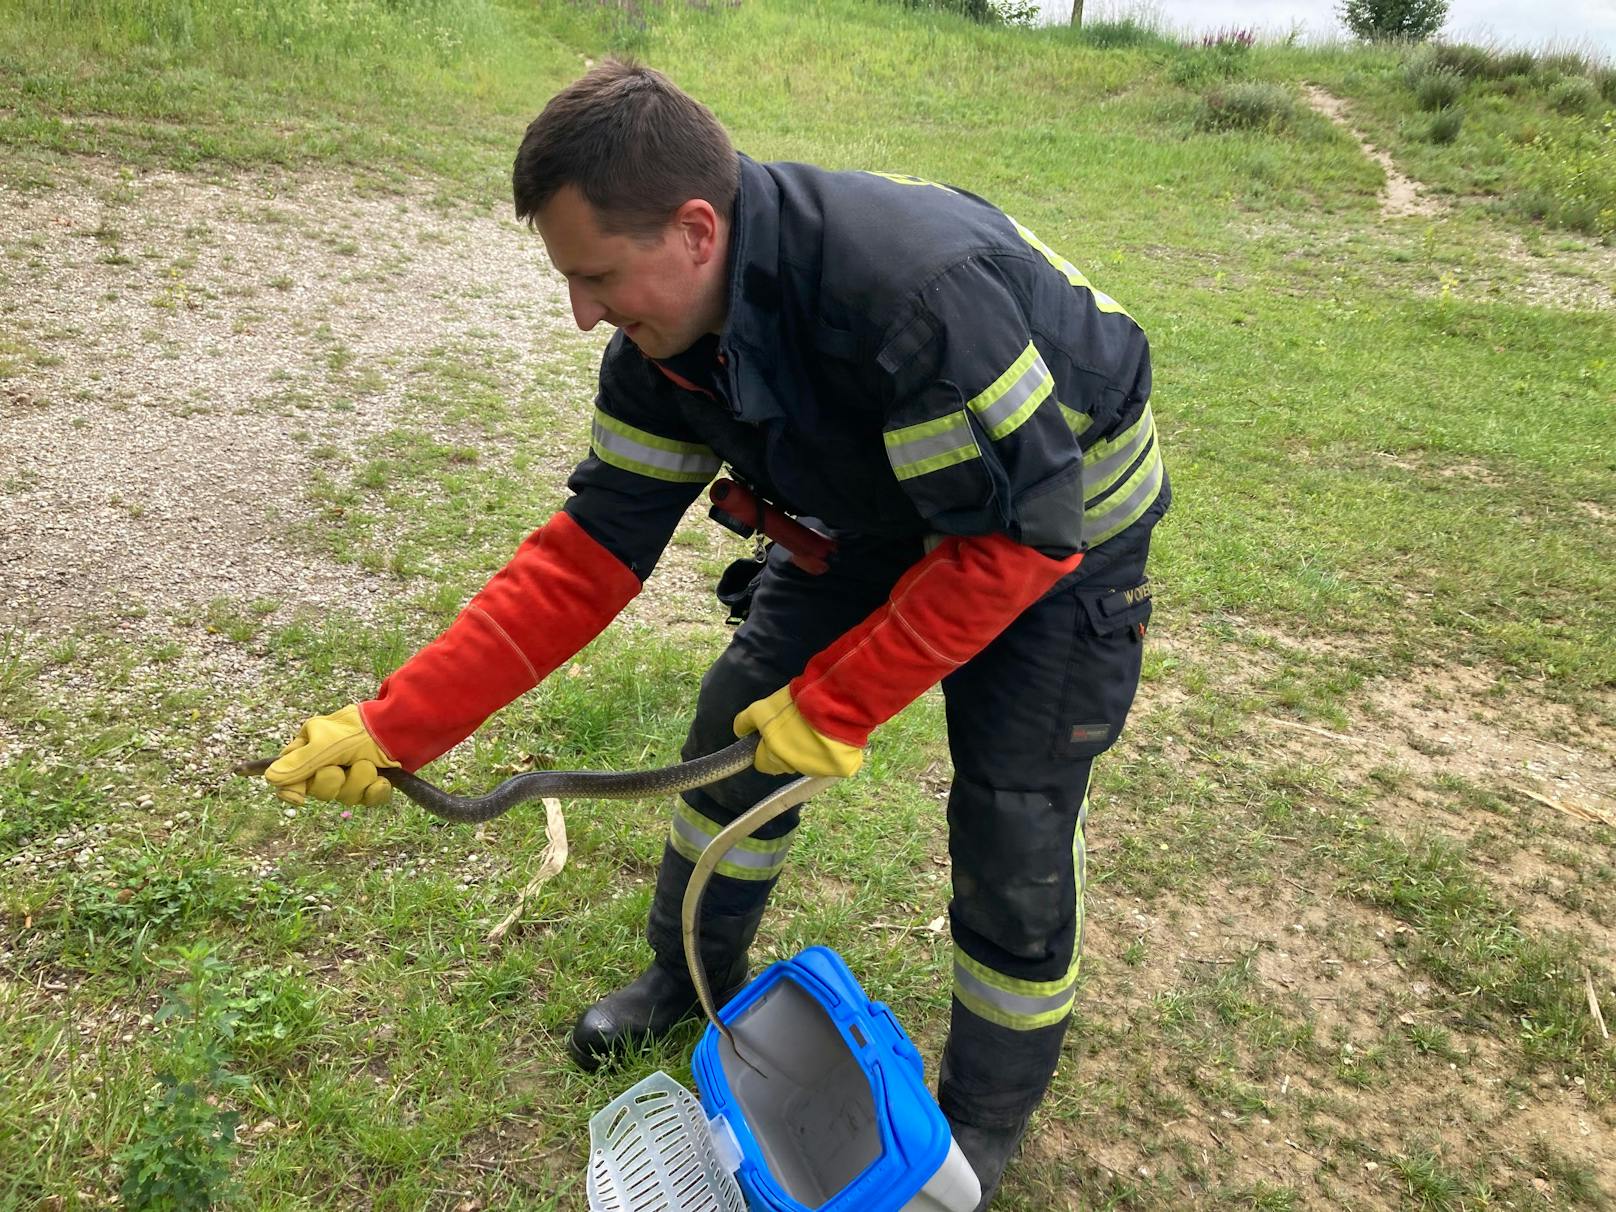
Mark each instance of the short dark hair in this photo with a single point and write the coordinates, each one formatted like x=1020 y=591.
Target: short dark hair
x=632 y=143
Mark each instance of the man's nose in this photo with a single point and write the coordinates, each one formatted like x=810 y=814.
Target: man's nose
x=585 y=310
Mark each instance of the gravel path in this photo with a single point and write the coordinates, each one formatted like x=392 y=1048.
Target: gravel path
x=179 y=350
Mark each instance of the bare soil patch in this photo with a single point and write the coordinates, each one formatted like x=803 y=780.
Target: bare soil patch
x=1452 y=725
x=1336 y=964
x=1402 y=195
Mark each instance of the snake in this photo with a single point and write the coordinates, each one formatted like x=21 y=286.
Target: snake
x=562 y=784
x=632 y=784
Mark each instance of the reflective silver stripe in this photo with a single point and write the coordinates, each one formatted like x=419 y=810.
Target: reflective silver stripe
x=1080 y=857
x=1022 y=1005
x=647 y=454
x=930 y=446
x=750 y=859
x=1104 y=461
x=1125 y=507
x=1006 y=404
x=1018 y=1006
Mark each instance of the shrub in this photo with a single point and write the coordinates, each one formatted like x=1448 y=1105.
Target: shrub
x=1574 y=95
x=1415 y=20
x=1439 y=89
x=1514 y=86
x=1246 y=106
x=988 y=12
x=1016 y=12
x=1605 y=78
x=1417 y=67
x=1445 y=126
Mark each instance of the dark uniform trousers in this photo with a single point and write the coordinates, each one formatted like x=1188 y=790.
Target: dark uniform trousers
x=1026 y=717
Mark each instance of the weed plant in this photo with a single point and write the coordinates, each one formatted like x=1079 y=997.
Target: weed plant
x=1445 y=126
x=1247 y=106
x=180 y=1156
x=1518 y=62
x=1551 y=67
x=1439 y=89
x=1471 y=62
x=1568 y=178
x=1223 y=58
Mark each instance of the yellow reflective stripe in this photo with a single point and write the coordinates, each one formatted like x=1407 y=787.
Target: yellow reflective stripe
x=1013 y=1009
x=1014 y=395
x=1105 y=462
x=749 y=859
x=1027 y=1005
x=1072 y=274
x=916 y=449
x=1079 y=421
x=1126 y=504
x=647 y=454
x=907 y=179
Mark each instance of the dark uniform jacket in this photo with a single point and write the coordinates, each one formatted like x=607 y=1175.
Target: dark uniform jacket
x=900 y=358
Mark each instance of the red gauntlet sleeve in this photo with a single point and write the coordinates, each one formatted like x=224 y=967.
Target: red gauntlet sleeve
x=941 y=613
x=558 y=592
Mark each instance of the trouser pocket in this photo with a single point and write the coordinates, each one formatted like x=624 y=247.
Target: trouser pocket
x=1102 y=675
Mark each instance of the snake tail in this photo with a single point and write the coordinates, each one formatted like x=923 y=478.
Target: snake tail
x=743 y=826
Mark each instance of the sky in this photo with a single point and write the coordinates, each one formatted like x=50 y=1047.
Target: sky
x=1584 y=24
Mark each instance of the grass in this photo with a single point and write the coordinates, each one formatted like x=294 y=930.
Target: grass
x=1535 y=142
x=1329 y=963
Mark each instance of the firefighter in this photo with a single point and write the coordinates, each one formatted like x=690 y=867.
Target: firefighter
x=915 y=374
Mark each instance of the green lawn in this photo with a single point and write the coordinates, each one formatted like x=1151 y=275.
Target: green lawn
x=1352 y=862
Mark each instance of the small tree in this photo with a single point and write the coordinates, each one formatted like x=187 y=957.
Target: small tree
x=1415 y=20
x=1077 y=13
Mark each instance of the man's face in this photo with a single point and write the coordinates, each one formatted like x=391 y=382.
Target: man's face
x=663 y=292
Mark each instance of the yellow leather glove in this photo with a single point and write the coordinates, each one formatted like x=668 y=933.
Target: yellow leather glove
x=332 y=758
x=790 y=743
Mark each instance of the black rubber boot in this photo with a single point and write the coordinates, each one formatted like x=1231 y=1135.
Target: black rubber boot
x=990 y=1080
x=989 y=1151
x=652 y=1005
x=663 y=996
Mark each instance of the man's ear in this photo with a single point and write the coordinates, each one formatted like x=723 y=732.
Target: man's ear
x=698 y=226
